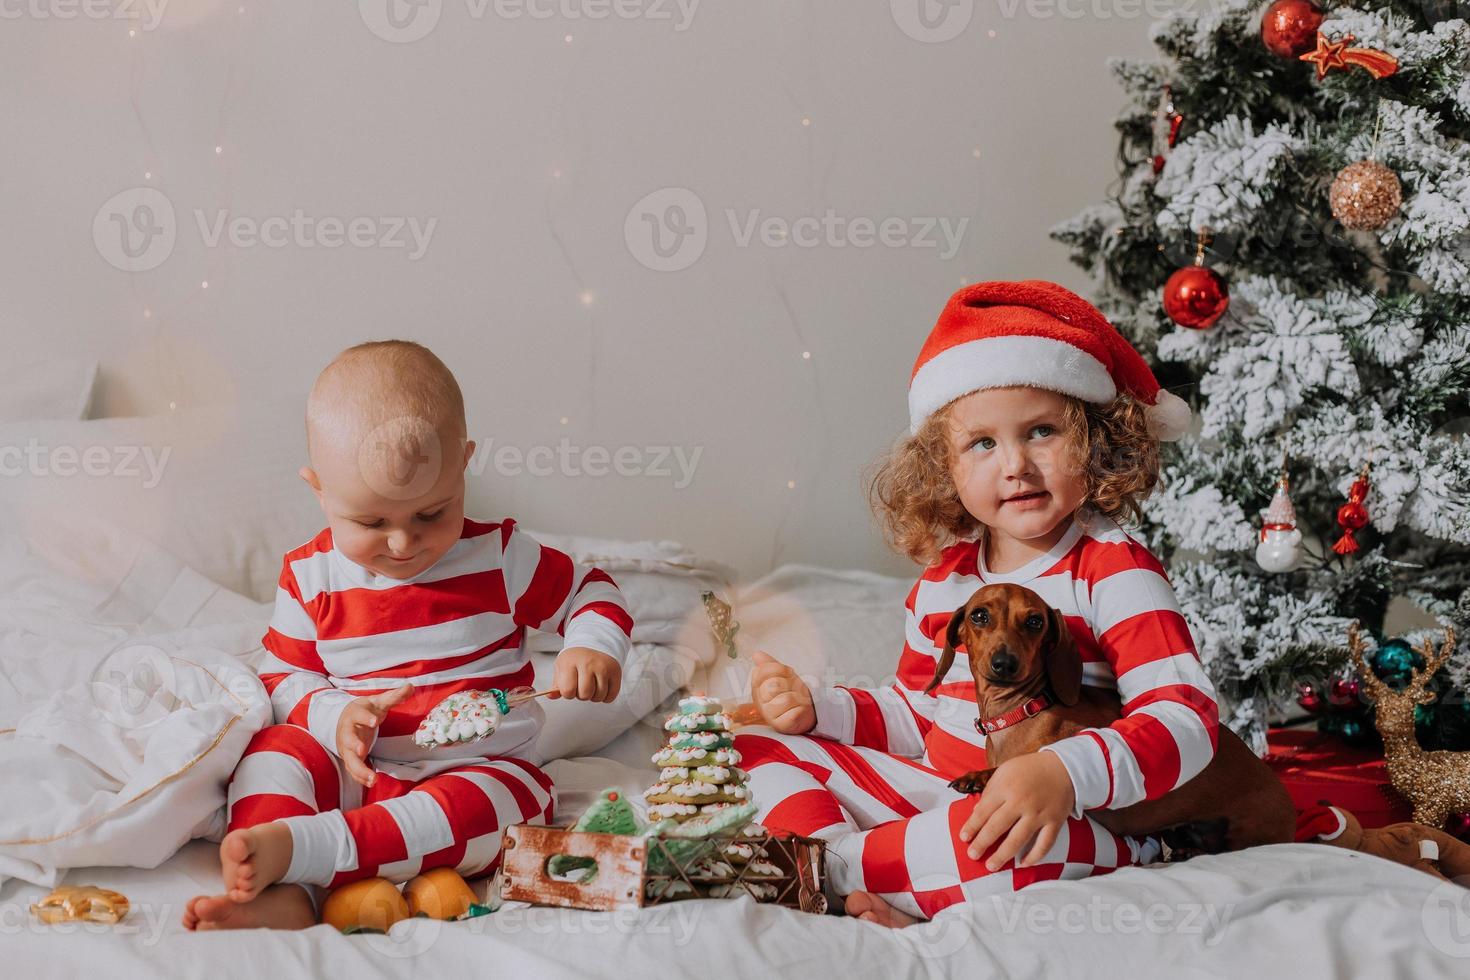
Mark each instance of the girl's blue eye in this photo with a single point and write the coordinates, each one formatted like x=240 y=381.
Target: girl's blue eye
x=984 y=442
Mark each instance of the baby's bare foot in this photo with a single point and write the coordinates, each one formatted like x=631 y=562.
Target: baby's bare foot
x=253 y=858
x=871 y=908
x=277 y=907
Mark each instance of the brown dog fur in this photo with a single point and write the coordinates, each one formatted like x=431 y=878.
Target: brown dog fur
x=1236 y=791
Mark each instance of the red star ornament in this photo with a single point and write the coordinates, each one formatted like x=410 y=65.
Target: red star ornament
x=1339 y=54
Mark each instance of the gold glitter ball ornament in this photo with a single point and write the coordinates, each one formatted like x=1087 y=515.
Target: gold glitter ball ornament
x=1365 y=195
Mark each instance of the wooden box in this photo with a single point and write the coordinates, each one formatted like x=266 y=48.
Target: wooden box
x=625 y=881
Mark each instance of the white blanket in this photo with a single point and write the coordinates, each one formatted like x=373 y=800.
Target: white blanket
x=128 y=700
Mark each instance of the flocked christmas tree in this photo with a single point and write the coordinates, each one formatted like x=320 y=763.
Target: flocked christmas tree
x=1289 y=243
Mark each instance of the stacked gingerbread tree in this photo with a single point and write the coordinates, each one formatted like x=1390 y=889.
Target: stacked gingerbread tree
x=698 y=775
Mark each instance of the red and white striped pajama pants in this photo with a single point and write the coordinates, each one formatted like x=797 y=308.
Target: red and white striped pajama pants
x=395 y=828
x=892 y=824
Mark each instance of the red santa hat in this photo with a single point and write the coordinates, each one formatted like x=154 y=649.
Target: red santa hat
x=1037 y=334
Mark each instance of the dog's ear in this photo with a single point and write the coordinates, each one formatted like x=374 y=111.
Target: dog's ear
x=951 y=640
x=1063 y=664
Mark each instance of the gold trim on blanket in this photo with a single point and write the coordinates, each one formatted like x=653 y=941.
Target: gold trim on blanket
x=219 y=737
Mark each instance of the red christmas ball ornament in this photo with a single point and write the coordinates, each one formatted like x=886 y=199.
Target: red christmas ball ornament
x=1289 y=27
x=1341 y=694
x=1309 y=697
x=1195 y=297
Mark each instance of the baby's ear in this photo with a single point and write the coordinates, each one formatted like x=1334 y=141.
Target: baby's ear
x=469 y=451
x=309 y=475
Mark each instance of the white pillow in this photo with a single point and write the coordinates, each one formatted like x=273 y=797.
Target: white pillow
x=213 y=487
x=60 y=388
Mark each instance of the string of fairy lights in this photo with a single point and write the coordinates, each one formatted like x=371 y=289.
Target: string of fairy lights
x=166 y=315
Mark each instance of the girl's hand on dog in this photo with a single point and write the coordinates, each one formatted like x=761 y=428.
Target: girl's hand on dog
x=783 y=699
x=1030 y=796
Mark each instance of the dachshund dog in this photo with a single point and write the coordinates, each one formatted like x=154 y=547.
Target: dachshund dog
x=1020 y=648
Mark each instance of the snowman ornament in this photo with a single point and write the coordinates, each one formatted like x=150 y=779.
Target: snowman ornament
x=1280 y=547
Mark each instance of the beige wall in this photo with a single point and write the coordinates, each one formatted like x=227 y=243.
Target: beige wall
x=529 y=151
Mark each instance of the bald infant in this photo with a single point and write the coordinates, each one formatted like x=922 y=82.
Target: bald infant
x=400 y=603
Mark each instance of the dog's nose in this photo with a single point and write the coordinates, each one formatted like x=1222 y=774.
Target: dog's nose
x=1003 y=663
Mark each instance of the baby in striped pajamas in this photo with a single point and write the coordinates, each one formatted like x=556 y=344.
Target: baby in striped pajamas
x=400 y=602
x=1034 y=426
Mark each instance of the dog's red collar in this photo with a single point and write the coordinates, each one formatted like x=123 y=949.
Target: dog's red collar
x=1037 y=704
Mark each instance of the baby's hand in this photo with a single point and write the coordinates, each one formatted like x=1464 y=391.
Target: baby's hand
x=783 y=698
x=1028 y=796
x=357 y=729
x=587 y=675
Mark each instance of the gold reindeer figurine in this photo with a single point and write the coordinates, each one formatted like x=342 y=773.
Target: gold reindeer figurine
x=1436 y=783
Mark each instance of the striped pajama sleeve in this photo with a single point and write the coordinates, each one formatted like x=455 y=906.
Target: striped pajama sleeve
x=1167 y=734
x=292 y=671
x=549 y=591
x=892 y=719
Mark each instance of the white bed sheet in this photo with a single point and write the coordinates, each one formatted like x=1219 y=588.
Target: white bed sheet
x=1299 y=909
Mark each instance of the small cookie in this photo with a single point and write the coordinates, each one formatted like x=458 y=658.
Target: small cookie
x=760 y=868
x=698 y=723
x=696 y=791
x=758 y=890
x=694 y=757
x=698 y=704
x=670 y=889
x=711 y=869
x=705 y=774
x=738 y=852
x=82 y=903
x=678 y=811
x=708 y=741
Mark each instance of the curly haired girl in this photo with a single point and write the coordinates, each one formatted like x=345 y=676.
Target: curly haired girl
x=1034 y=429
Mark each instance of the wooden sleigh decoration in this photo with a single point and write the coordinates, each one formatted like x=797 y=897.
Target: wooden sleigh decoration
x=637 y=872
